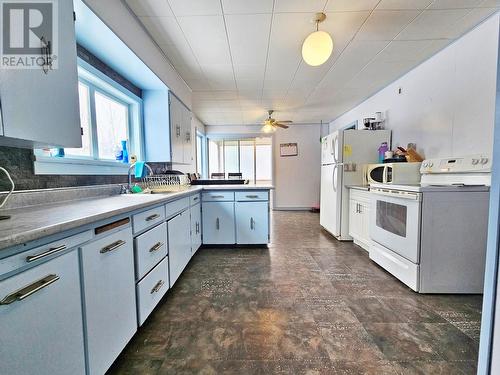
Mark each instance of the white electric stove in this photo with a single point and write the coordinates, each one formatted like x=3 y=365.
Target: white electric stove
x=432 y=236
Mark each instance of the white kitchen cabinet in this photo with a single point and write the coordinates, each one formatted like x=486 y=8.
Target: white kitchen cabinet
x=109 y=297
x=218 y=222
x=179 y=244
x=41 y=109
x=195 y=227
x=187 y=149
x=252 y=222
x=359 y=217
x=41 y=321
x=181 y=139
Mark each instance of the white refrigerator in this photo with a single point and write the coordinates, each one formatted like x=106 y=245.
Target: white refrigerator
x=343 y=155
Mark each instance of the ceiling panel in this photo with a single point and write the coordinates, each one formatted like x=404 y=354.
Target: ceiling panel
x=243 y=57
x=195 y=7
x=386 y=24
x=248 y=38
x=247 y=6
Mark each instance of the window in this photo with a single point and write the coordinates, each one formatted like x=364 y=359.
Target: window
x=109 y=115
x=200 y=159
x=252 y=157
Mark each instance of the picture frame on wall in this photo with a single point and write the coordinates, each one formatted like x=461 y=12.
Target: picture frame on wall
x=289 y=149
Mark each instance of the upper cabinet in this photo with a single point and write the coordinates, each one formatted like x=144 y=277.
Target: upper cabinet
x=180 y=132
x=39 y=105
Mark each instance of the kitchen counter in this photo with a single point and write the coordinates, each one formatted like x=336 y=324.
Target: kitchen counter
x=359 y=187
x=31 y=223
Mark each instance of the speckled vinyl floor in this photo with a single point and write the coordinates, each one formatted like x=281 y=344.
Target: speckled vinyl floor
x=306 y=305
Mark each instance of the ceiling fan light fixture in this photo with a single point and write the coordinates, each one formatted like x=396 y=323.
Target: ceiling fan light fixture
x=318 y=46
x=268 y=128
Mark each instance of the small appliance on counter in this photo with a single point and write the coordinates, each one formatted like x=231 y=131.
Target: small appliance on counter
x=432 y=235
x=392 y=173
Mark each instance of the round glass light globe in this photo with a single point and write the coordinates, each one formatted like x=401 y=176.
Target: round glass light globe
x=317 y=48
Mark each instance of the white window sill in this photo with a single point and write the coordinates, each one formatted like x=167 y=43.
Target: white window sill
x=47 y=165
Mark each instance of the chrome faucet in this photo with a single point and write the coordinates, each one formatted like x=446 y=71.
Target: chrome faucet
x=129 y=185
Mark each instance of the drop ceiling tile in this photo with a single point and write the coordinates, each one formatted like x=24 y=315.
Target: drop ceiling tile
x=251 y=95
x=274 y=93
x=281 y=70
x=180 y=55
x=247 y=6
x=195 y=7
x=164 y=30
x=471 y=19
x=273 y=84
x=188 y=72
x=207 y=37
x=455 y=4
x=490 y=4
x=249 y=84
x=196 y=84
x=158 y=8
x=403 y=4
x=312 y=6
x=432 y=24
x=248 y=37
x=386 y=24
x=252 y=72
x=350 y=5
x=400 y=50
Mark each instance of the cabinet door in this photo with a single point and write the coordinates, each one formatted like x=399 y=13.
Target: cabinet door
x=176 y=137
x=109 y=292
x=218 y=223
x=252 y=222
x=43 y=333
x=195 y=228
x=188 y=137
x=43 y=108
x=179 y=244
x=355 y=222
x=365 y=219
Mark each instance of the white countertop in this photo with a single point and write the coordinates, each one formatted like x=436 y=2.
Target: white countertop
x=32 y=223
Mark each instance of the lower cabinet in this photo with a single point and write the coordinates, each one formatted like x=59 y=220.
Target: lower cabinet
x=195 y=228
x=359 y=216
x=179 y=244
x=109 y=297
x=252 y=222
x=150 y=290
x=41 y=321
x=218 y=223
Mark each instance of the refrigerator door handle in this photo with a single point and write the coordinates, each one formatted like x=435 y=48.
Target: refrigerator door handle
x=334 y=178
x=332 y=149
x=334 y=153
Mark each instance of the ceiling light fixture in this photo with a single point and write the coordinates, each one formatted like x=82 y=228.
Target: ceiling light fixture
x=318 y=46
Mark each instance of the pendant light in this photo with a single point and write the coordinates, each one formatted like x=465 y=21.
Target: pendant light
x=318 y=46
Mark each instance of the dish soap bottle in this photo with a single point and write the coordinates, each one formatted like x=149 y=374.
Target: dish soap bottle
x=124 y=152
x=381 y=152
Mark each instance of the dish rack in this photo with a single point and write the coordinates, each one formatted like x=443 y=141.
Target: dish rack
x=165 y=183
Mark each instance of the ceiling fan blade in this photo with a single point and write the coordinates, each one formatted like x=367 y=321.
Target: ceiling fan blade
x=285 y=121
x=280 y=125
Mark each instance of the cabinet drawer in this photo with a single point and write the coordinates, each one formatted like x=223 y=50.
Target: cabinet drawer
x=402 y=268
x=242 y=196
x=42 y=253
x=148 y=219
x=150 y=248
x=195 y=199
x=221 y=196
x=151 y=289
x=173 y=208
x=360 y=195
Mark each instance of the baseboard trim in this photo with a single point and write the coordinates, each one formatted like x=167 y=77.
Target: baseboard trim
x=292 y=208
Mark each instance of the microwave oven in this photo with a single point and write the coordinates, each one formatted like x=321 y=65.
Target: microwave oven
x=392 y=173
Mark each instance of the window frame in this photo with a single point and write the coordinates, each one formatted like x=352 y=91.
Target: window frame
x=96 y=81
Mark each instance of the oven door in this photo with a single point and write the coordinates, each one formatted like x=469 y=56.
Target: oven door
x=395 y=221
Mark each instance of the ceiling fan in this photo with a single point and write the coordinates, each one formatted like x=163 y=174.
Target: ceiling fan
x=271 y=124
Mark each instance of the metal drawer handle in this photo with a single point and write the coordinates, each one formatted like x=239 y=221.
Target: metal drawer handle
x=252 y=196
x=157 y=287
x=113 y=246
x=252 y=223
x=152 y=217
x=27 y=291
x=52 y=250
x=217 y=224
x=217 y=196
x=195 y=198
x=156 y=247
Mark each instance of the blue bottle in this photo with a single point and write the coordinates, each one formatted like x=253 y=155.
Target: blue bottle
x=381 y=152
x=124 y=152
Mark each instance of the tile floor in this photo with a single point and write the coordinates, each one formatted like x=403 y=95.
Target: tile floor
x=306 y=305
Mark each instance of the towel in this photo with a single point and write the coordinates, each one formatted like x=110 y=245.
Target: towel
x=139 y=169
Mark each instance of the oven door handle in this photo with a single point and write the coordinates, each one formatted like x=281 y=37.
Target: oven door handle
x=408 y=195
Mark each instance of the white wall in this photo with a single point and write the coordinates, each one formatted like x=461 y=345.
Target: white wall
x=296 y=179
x=126 y=26
x=447 y=104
